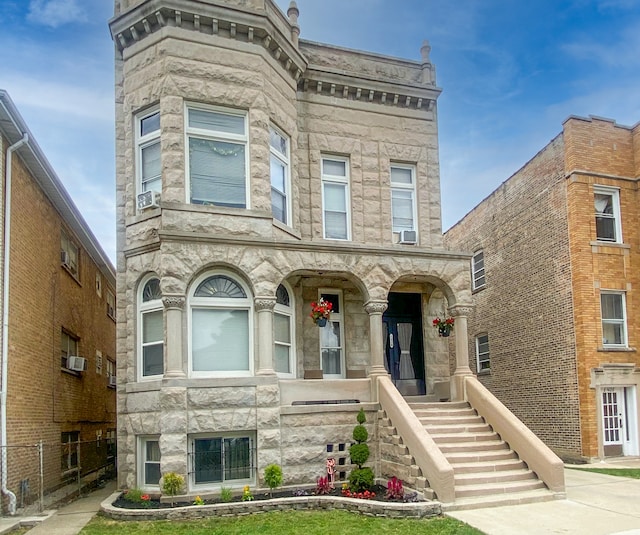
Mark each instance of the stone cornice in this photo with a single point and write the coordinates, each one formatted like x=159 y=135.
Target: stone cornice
x=173 y=301
x=375 y=307
x=264 y=29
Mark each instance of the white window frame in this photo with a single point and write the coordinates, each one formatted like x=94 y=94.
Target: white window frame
x=142 y=142
x=231 y=483
x=69 y=344
x=484 y=356
x=142 y=461
x=399 y=187
x=615 y=321
x=285 y=161
x=72 y=252
x=224 y=137
x=614 y=193
x=337 y=180
x=221 y=303
x=288 y=312
x=335 y=317
x=476 y=276
x=154 y=305
x=70 y=450
x=110 y=298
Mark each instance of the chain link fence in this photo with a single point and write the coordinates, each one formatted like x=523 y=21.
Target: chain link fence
x=44 y=474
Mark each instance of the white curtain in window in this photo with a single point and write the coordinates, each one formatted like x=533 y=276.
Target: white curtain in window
x=216 y=121
x=401 y=175
x=220 y=340
x=151 y=167
x=334 y=168
x=335 y=215
x=217 y=172
x=402 y=209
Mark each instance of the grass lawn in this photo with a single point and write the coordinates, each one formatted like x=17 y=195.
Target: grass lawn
x=622 y=472
x=284 y=523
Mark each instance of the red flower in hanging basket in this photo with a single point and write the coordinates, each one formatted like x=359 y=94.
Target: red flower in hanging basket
x=445 y=326
x=321 y=309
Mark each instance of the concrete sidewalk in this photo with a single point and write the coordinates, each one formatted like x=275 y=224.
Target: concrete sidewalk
x=68 y=520
x=596 y=504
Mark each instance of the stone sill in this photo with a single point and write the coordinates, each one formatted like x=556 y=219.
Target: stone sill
x=616 y=350
x=326 y=408
x=595 y=245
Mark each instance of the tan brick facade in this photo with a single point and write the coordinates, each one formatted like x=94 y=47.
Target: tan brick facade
x=545 y=270
x=45 y=298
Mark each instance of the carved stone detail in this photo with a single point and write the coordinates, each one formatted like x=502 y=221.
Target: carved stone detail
x=461 y=310
x=375 y=307
x=173 y=301
x=264 y=303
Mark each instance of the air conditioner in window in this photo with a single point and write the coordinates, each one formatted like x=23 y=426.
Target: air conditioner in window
x=409 y=237
x=148 y=199
x=113 y=380
x=77 y=364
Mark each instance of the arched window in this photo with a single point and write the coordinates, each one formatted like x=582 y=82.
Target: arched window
x=284 y=358
x=151 y=350
x=220 y=321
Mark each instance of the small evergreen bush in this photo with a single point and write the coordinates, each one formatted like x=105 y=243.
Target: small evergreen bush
x=273 y=477
x=172 y=484
x=360 y=479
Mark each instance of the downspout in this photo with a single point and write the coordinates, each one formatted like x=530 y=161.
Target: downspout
x=5 y=321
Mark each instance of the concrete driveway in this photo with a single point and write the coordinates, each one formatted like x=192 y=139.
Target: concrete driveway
x=596 y=504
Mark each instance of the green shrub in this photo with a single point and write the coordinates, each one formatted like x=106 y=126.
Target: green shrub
x=133 y=495
x=359 y=454
x=172 y=484
x=361 y=479
x=226 y=495
x=273 y=476
x=361 y=418
x=360 y=433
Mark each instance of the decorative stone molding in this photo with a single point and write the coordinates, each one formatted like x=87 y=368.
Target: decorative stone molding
x=173 y=301
x=375 y=307
x=461 y=310
x=264 y=303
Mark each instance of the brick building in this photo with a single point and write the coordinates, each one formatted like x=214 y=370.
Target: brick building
x=58 y=347
x=554 y=334
x=258 y=173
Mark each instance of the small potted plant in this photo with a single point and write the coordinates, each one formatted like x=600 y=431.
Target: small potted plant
x=445 y=326
x=320 y=312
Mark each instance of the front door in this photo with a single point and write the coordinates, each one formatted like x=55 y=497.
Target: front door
x=404 y=358
x=619 y=421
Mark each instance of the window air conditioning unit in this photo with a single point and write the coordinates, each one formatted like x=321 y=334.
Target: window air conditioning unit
x=77 y=364
x=409 y=237
x=113 y=380
x=148 y=199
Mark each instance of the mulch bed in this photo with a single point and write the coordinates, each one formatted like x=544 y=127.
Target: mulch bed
x=380 y=495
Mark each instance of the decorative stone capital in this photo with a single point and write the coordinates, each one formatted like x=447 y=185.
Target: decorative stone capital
x=264 y=303
x=173 y=301
x=461 y=310
x=375 y=307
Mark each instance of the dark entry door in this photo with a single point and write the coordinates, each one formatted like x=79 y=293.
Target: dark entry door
x=404 y=355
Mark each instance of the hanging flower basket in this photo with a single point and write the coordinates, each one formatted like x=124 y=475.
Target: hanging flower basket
x=320 y=312
x=445 y=326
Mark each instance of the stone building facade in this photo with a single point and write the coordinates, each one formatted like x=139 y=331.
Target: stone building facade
x=257 y=173
x=58 y=304
x=555 y=326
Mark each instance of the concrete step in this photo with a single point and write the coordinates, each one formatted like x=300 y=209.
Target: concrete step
x=480 y=478
x=450 y=438
x=471 y=447
x=466 y=457
x=449 y=429
x=428 y=421
x=497 y=500
x=506 y=487
x=495 y=466
x=439 y=405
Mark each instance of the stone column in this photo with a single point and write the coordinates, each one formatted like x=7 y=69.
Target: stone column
x=460 y=313
x=375 y=310
x=264 y=308
x=174 y=305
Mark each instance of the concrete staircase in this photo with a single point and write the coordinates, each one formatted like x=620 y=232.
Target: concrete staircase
x=486 y=470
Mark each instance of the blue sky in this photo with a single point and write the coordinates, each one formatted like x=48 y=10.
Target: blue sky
x=511 y=71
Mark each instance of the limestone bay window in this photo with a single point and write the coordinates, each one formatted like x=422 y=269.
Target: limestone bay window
x=220 y=327
x=151 y=330
x=148 y=165
x=217 y=156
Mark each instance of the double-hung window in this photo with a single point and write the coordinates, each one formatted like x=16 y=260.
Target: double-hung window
x=280 y=181
x=69 y=454
x=69 y=254
x=607 y=208
x=217 y=145
x=222 y=459
x=149 y=462
x=403 y=206
x=335 y=198
x=477 y=267
x=148 y=152
x=221 y=339
x=152 y=330
x=282 y=333
x=332 y=337
x=482 y=353
x=68 y=347
x=614 y=322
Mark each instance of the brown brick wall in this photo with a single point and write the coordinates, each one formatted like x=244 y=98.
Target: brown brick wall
x=44 y=401
x=526 y=307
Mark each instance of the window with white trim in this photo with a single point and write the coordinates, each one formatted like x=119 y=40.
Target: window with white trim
x=98 y=362
x=282 y=333
x=149 y=165
x=482 y=353
x=217 y=145
x=68 y=347
x=614 y=322
x=149 y=462
x=607 y=208
x=403 y=198
x=477 y=263
x=69 y=254
x=218 y=460
x=221 y=313
x=336 y=198
x=280 y=181
x=151 y=325
x=69 y=457
x=110 y=298
x=332 y=355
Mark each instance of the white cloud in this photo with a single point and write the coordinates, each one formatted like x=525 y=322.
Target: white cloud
x=54 y=13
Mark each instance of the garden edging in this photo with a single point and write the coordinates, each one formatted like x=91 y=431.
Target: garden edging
x=355 y=505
